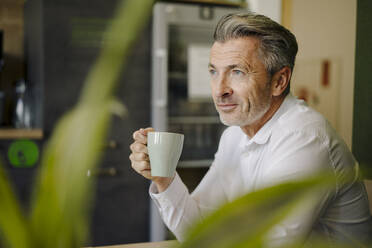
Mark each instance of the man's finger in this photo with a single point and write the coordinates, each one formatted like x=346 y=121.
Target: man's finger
x=138 y=136
x=138 y=147
x=145 y=131
x=140 y=156
x=139 y=166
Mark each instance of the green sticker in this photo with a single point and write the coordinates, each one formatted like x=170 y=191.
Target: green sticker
x=23 y=153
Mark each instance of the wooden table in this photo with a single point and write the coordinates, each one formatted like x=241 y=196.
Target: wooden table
x=163 y=244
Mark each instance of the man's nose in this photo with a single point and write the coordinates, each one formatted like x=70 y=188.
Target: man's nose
x=223 y=88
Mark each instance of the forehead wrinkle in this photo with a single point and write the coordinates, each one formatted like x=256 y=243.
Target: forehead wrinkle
x=235 y=55
x=236 y=60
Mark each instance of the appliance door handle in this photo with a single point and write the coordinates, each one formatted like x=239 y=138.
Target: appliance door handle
x=161 y=90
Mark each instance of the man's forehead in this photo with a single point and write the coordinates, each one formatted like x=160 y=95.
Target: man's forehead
x=236 y=51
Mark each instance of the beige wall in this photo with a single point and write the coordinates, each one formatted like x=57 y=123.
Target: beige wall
x=326 y=29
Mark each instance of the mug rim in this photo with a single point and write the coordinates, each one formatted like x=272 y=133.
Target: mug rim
x=163 y=132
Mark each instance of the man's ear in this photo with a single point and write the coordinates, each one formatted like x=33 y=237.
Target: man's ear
x=280 y=80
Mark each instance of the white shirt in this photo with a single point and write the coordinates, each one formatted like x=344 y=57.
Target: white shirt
x=296 y=142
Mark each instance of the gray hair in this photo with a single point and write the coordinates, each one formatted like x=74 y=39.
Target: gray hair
x=278 y=46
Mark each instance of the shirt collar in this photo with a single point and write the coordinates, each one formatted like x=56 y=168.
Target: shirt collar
x=263 y=135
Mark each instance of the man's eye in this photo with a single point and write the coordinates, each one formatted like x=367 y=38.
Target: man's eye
x=237 y=72
x=212 y=72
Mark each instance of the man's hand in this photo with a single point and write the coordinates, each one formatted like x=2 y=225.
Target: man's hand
x=140 y=159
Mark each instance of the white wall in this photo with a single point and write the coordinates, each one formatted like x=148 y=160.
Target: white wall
x=327 y=29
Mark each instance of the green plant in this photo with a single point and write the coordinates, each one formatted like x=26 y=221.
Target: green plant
x=62 y=195
x=247 y=221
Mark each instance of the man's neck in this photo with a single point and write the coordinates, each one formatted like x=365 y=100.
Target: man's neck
x=252 y=129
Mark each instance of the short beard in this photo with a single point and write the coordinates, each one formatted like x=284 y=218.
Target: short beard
x=247 y=120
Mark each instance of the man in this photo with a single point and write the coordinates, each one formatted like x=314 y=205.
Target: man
x=272 y=138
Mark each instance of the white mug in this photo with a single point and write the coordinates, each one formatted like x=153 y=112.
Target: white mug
x=164 y=152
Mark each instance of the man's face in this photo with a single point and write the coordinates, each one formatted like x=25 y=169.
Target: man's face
x=240 y=84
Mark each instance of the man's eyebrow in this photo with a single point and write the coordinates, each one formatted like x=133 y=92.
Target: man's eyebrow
x=244 y=66
x=211 y=65
x=234 y=66
x=230 y=67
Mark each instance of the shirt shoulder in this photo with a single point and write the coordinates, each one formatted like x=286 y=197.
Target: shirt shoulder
x=302 y=118
x=300 y=125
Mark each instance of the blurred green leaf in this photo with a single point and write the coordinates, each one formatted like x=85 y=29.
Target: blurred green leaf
x=63 y=198
x=119 y=36
x=13 y=224
x=246 y=221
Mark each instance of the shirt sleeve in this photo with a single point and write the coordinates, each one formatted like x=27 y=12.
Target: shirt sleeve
x=180 y=210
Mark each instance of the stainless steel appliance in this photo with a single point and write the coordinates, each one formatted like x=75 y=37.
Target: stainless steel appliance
x=181 y=101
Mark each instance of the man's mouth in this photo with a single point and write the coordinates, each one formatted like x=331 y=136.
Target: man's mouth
x=226 y=107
